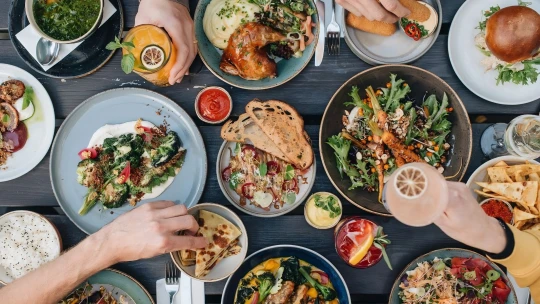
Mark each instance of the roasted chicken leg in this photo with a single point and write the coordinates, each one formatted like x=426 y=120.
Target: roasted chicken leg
x=245 y=56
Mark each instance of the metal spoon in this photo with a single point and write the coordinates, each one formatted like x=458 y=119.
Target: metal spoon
x=46 y=51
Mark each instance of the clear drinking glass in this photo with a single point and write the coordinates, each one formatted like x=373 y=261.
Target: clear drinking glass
x=521 y=137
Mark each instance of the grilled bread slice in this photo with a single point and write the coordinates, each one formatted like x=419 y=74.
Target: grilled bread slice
x=285 y=127
x=245 y=129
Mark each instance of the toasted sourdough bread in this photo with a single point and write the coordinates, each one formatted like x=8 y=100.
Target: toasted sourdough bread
x=246 y=129
x=285 y=127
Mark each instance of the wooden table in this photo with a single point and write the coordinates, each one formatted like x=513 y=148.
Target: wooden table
x=309 y=92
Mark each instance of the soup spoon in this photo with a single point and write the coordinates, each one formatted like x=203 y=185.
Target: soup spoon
x=46 y=51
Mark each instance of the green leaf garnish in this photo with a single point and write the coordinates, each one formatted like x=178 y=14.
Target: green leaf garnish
x=329 y=204
x=379 y=241
x=289 y=197
x=27 y=97
x=127 y=63
x=263 y=169
x=289 y=172
x=5 y=118
x=128 y=60
x=237 y=149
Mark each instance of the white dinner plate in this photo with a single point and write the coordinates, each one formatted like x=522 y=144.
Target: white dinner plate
x=466 y=58
x=40 y=126
x=223 y=161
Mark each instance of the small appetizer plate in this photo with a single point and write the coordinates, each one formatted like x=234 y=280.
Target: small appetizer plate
x=40 y=126
x=223 y=161
x=227 y=266
x=121 y=284
x=56 y=238
x=313 y=212
x=398 y=48
x=114 y=107
x=466 y=57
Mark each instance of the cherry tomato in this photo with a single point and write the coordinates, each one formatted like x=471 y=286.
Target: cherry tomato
x=255 y=298
x=248 y=190
x=273 y=168
x=124 y=175
x=226 y=174
x=148 y=133
x=290 y=185
x=88 y=153
x=249 y=150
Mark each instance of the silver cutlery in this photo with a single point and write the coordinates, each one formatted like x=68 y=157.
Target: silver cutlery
x=46 y=51
x=319 y=49
x=333 y=34
x=172 y=280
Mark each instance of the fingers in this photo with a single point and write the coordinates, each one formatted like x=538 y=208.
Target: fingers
x=180 y=223
x=374 y=11
x=172 y=211
x=158 y=205
x=355 y=7
x=187 y=242
x=179 y=38
x=395 y=7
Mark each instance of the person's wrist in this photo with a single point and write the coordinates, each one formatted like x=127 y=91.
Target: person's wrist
x=100 y=244
x=493 y=238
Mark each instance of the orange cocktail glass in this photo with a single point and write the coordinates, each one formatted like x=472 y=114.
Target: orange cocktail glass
x=152 y=42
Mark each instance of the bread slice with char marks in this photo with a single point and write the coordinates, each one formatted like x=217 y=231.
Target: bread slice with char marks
x=245 y=129
x=285 y=127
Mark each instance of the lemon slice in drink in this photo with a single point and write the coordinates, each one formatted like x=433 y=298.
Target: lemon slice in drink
x=411 y=182
x=152 y=57
x=360 y=250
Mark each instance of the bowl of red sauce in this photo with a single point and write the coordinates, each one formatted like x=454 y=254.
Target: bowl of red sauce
x=349 y=235
x=499 y=209
x=213 y=105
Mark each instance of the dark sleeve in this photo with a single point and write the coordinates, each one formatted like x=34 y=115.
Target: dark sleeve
x=510 y=243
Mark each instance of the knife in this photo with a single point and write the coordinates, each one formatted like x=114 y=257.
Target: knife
x=319 y=50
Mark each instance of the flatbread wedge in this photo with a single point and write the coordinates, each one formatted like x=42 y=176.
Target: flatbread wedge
x=285 y=127
x=522 y=192
x=233 y=249
x=220 y=234
x=498 y=175
x=246 y=131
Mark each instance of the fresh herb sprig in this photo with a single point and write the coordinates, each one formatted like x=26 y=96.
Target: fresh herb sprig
x=27 y=97
x=380 y=241
x=423 y=31
x=528 y=74
x=492 y=10
x=128 y=60
x=329 y=204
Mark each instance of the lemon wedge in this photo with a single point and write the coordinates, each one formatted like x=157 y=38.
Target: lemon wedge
x=361 y=250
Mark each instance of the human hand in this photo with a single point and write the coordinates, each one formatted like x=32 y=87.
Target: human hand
x=175 y=19
x=388 y=11
x=465 y=221
x=148 y=231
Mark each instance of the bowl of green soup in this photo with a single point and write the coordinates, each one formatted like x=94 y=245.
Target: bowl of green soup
x=64 y=21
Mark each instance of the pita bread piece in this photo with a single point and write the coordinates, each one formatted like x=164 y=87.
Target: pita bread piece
x=220 y=234
x=520 y=215
x=498 y=175
x=501 y=164
x=233 y=249
x=523 y=192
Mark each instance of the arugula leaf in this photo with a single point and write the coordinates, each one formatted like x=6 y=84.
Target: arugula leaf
x=523 y=3
x=410 y=129
x=127 y=63
x=395 y=94
x=27 y=97
x=289 y=172
x=357 y=102
x=529 y=74
x=492 y=10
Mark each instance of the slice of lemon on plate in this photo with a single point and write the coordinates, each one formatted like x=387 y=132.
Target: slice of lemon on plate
x=152 y=57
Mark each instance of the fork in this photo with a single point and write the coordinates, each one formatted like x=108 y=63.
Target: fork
x=333 y=33
x=172 y=280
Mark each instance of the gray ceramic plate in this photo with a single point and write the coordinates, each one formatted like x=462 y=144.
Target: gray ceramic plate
x=421 y=81
x=450 y=253
x=398 y=48
x=113 y=107
x=121 y=284
x=223 y=161
x=286 y=69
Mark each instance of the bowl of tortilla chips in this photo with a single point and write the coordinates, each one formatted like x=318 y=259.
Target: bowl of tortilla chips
x=512 y=179
x=226 y=249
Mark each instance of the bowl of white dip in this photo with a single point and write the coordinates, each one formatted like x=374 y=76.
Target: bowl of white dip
x=27 y=241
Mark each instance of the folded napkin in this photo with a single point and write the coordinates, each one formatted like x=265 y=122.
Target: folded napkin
x=29 y=38
x=197 y=293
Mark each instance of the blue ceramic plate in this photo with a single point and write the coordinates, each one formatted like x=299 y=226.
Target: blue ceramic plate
x=114 y=107
x=286 y=69
x=277 y=251
x=121 y=284
x=449 y=253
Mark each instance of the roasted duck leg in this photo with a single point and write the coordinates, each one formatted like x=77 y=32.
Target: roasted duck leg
x=245 y=56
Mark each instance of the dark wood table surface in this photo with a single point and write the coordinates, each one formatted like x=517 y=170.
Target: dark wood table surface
x=309 y=92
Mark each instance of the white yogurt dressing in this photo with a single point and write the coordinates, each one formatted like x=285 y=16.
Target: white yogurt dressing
x=108 y=131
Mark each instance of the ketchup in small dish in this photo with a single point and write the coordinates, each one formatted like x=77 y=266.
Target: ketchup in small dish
x=213 y=105
x=17 y=138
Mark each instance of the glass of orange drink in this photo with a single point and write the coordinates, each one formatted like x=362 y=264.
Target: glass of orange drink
x=154 y=53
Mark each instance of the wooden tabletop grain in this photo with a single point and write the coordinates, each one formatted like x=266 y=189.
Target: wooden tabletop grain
x=309 y=92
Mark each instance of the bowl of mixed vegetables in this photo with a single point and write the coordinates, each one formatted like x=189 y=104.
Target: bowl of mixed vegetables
x=386 y=117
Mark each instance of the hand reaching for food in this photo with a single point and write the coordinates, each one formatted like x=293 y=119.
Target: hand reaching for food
x=175 y=19
x=465 y=221
x=150 y=230
x=388 y=11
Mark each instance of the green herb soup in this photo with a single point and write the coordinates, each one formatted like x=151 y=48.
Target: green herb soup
x=66 y=19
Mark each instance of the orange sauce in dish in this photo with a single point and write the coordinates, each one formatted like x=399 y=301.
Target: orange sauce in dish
x=214 y=105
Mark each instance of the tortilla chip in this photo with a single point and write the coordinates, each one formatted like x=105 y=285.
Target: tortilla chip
x=498 y=175
x=534 y=177
x=524 y=192
x=522 y=215
x=519 y=176
x=501 y=164
x=519 y=224
x=535 y=227
x=525 y=169
x=533 y=210
x=490 y=195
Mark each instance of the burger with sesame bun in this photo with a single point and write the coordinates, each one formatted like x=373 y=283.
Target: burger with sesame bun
x=510 y=40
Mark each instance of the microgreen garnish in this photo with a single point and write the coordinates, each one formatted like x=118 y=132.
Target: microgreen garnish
x=128 y=60
x=289 y=172
x=329 y=204
x=380 y=241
